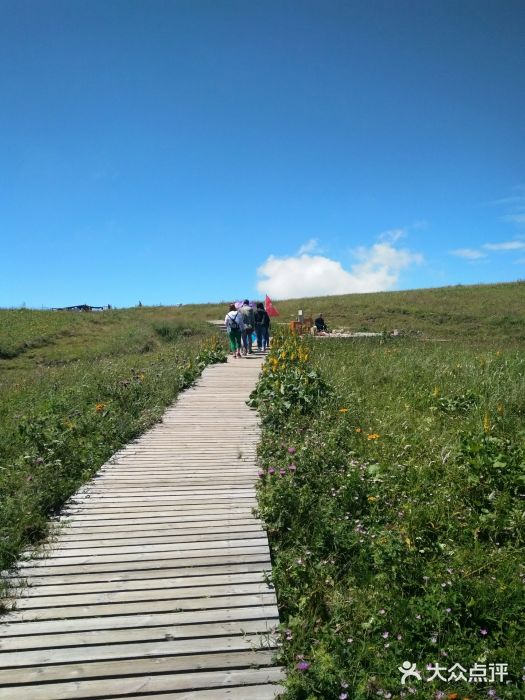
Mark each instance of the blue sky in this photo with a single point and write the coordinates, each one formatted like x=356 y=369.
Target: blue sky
x=204 y=150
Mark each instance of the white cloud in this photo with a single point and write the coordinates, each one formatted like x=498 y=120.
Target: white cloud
x=507 y=245
x=468 y=253
x=377 y=268
x=514 y=218
x=310 y=246
x=514 y=205
x=393 y=235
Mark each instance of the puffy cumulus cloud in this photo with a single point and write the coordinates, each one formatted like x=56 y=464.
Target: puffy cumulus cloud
x=377 y=269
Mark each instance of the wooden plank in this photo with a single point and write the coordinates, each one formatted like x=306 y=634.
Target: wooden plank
x=242 y=657
x=157 y=530
x=176 y=595
x=261 y=563
x=64 y=612
x=56 y=557
x=35 y=629
x=245 y=692
x=166 y=518
x=171 y=582
x=133 y=650
x=102 y=688
x=169 y=560
x=263 y=626
x=121 y=545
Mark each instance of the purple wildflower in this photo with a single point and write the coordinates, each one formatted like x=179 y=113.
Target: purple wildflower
x=292 y=450
x=483 y=632
x=302 y=666
x=271 y=470
x=292 y=468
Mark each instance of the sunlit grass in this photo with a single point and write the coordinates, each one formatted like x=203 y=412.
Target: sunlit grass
x=393 y=501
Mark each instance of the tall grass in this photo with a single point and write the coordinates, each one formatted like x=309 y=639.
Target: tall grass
x=392 y=489
x=68 y=404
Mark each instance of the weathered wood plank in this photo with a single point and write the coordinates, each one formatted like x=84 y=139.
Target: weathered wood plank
x=64 y=612
x=171 y=582
x=259 y=564
x=169 y=560
x=233 y=656
x=25 y=630
x=174 y=594
x=264 y=626
x=102 y=688
x=245 y=692
x=138 y=650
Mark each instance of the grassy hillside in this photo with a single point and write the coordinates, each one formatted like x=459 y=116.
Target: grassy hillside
x=477 y=313
x=74 y=388
x=391 y=483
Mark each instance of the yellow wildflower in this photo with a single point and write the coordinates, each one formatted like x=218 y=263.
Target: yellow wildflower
x=373 y=436
x=372 y=498
x=486 y=423
x=343 y=410
x=99 y=407
x=359 y=430
x=436 y=392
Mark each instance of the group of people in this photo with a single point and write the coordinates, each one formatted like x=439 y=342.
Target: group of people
x=242 y=323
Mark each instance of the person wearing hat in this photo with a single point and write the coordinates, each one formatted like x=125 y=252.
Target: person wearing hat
x=249 y=322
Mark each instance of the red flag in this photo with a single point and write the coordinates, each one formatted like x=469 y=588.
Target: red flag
x=270 y=308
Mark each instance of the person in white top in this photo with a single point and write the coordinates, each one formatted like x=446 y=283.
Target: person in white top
x=234 y=327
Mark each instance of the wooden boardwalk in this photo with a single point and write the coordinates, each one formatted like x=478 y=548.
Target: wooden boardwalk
x=155 y=588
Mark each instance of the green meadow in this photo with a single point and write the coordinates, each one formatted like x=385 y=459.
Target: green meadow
x=74 y=388
x=391 y=470
x=480 y=313
x=392 y=483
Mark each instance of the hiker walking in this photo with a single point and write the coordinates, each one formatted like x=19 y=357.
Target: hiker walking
x=234 y=327
x=262 y=327
x=249 y=322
